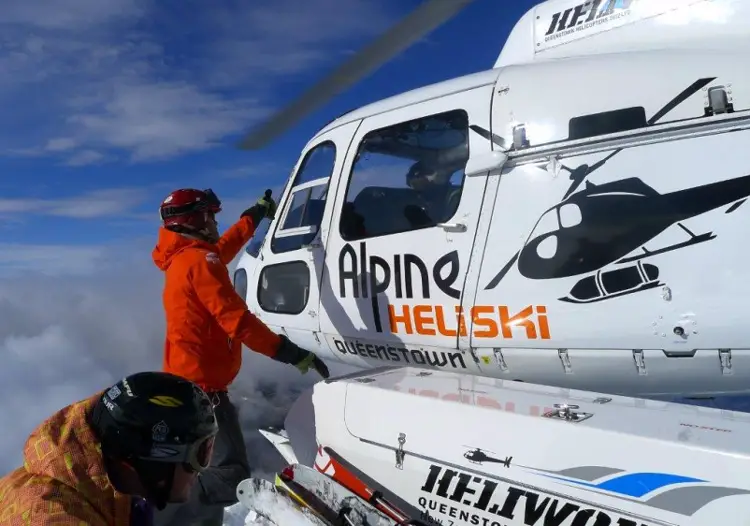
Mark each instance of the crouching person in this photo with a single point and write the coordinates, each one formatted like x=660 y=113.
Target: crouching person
x=113 y=458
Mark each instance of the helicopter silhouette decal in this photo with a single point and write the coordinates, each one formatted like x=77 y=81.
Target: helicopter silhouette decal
x=601 y=224
x=478 y=456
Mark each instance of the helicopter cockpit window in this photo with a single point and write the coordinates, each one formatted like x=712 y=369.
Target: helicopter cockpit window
x=407 y=176
x=606 y=122
x=302 y=214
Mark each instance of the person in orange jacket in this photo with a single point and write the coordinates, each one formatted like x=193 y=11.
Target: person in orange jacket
x=110 y=459
x=206 y=324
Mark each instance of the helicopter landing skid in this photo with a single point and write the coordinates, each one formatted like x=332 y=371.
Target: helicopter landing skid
x=610 y=284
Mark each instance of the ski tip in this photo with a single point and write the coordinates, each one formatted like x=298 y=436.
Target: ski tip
x=250 y=488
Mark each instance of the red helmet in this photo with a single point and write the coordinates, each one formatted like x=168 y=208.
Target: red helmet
x=189 y=208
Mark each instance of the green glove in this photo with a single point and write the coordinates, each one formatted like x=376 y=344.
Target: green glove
x=267 y=202
x=292 y=354
x=264 y=207
x=312 y=361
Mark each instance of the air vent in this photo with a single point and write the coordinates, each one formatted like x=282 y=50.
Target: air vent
x=606 y=122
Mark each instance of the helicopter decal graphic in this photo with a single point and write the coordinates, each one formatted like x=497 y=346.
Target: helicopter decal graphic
x=478 y=456
x=611 y=221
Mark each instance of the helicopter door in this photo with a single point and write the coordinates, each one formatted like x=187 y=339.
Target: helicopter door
x=402 y=233
x=291 y=258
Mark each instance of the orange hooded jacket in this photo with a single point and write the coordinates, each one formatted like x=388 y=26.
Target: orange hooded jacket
x=63 y=479
x=207 y=321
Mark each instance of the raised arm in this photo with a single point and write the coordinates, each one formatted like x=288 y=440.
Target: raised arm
x=238 y=235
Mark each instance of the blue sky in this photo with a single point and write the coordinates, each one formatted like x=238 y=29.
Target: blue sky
x=108 y=105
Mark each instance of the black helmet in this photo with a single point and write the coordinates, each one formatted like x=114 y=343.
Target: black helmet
x=154 y=421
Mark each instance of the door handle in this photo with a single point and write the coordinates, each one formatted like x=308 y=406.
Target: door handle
x=313 y=245
x=452 y=227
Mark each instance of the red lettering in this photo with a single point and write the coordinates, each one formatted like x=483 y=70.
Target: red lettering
x=491 y=330
x=440 y=317
x=487 y=321
x=461 y=321
x=422 y=320
x=404 y=318
x=541 y=311
x=507 y=322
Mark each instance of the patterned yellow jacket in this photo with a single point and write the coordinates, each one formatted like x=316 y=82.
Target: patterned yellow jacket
x=63 y=480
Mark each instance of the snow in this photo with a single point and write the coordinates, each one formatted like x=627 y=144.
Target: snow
x=281 y=510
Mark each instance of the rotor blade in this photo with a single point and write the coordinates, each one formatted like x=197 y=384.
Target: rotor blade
x=414 y=26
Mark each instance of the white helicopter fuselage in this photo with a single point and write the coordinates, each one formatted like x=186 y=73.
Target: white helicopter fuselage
x=583 y=223
x=453 y=449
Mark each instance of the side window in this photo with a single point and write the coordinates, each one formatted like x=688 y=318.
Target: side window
x=284 y=288
x=407 y=176
x=256 y=242
x=240 y=283
x=300 y=220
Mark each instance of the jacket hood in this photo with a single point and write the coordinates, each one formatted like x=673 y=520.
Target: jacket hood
x=64 y=448
x=170 y=244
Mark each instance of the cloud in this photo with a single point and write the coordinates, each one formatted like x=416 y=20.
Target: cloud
x=94 y=204
x=160 y=120
x=85 y=157
x=50 y=260
x=64 y=339
x=278 y=39
x=117 y=206
x=61 y=144
x=88 y=82
x=67 y=14
x=263 y=169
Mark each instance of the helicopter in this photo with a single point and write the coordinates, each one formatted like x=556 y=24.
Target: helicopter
x=478 y=456
x=494 y=252
x=397 y=235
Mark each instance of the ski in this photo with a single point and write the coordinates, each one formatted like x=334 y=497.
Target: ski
x=270 y=505
x=351 y=510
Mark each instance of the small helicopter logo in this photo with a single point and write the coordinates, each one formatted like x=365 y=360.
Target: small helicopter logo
x=602 y=224
x=476 y=455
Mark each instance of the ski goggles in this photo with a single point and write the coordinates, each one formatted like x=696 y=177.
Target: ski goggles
x=212 y=200
x=195 y=456
x=209 y=203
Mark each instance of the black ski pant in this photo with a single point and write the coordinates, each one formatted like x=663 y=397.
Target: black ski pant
x=216 y=487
